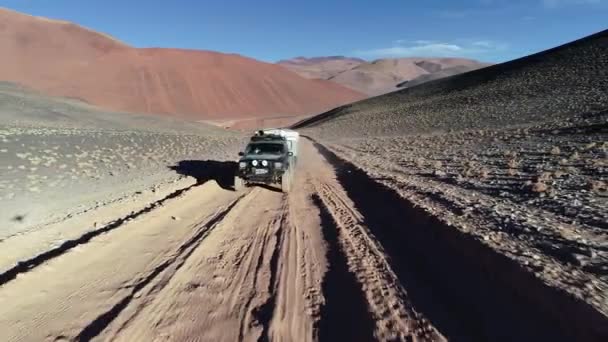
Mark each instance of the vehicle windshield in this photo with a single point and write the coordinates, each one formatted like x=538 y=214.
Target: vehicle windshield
x=265 y=149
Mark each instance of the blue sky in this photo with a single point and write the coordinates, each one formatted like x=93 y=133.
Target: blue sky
x=489 y=30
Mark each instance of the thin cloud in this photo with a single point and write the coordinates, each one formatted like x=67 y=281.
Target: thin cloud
x=419 y=48
x=484 y=44
x=500 y=7
x=561 y=3
x=488 y=9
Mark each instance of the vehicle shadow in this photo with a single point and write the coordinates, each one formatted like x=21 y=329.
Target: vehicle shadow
x=267 y=187
x=204 y=170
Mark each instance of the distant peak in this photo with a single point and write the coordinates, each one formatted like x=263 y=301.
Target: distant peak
x=320 y=59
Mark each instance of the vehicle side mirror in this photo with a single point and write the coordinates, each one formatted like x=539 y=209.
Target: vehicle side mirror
x=290 y=154
x=241 y=154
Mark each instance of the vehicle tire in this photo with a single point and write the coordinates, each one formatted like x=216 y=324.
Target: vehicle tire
x=238 y=183
x=286 y=182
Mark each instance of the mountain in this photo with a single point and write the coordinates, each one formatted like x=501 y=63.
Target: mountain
x=555 y=84
x=447 y=72
x=320 y=67
x=381 y=75
x=63 y=59
x=36 y=50
x=197 y=84
x=510 y=157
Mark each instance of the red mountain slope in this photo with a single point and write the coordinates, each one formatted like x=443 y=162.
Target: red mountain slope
x=64 y=59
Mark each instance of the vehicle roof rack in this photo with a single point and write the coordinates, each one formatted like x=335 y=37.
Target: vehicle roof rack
x=267 y=137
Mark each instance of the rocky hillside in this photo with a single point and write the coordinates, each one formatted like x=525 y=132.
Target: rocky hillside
x=382 y=75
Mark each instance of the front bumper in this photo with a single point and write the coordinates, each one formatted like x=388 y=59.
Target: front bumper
x=250 y=175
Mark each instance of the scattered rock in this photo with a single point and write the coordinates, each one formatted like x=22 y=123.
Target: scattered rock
x=539 y=187
x=439 y=173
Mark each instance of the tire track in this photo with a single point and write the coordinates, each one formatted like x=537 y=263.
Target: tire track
x=393 y=315
x=263 y=314
x=30 y=264
x=360 y=281
x=260 y=314
x=227 y=281
x=343 y=293
x=175 y=263
x=469 y=291
x=300 y=271
x=256 y=276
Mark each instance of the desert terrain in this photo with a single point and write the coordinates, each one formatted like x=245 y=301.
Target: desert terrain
x=320 y=67
x=379 y=76
x=125 y=244
x=198 y=85
x=507 y=163
x=467 y=208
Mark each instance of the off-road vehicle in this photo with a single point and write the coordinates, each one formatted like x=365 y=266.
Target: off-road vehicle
x=267 y=159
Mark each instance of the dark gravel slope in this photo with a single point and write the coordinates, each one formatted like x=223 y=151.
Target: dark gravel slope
x=554 y=84
x=514 y=156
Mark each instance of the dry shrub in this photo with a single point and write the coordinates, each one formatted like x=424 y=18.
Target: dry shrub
x=575 y=156
x=598 y=187
x=590 y=146
x=459 y=178
x=539 y=187
x=559 y=173
x=600 y=162
x=513 y=164
x=484 y=173
x=571 y=170
x=544 y=177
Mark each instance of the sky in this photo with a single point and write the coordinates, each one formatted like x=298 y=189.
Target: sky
x=271 y=30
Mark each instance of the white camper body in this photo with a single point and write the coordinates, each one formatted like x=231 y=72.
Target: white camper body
x=291 y=136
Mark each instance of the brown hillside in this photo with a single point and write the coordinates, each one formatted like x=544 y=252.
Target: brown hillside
x=35 y=50
x=64 y=59
x=197 y=84
x=383 y=75
x=320 y=67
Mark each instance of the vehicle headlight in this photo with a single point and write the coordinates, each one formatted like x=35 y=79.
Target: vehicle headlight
x=254 y=162
x=264 y=163
x=242 y=165
x=278 y=165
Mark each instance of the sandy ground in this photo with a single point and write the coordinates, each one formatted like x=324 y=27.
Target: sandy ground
x=248 y=125
x=442 y=212
x=60 y=159
x=209 y=263
x=505 y=170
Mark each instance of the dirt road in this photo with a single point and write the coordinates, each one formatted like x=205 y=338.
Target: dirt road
x=212 y=264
